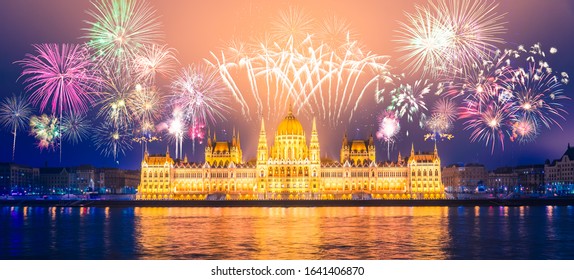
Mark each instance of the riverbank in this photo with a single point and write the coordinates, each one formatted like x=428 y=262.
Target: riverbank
x=553 y=201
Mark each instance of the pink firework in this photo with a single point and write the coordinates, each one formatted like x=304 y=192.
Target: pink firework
x=60 y=78
x=524 y=130
x=388 y=128
x=490 y=119
x=197 y=131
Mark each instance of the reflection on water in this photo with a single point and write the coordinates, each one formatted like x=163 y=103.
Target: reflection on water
x=287 y=233
x=292 y=233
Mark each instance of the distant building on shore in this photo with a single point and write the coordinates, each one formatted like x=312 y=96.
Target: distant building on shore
x=22 y=179
x=502 y=179
x=464 y=178
x=17 y=178
x=531 y=177
x=559 y=174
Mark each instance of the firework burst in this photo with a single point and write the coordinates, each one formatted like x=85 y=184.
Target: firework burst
x=537 y=93
x=119 y=29
x=524 y=130
x=118 y=88
x=46 y=129
x=409 y=100
x=446 y=109
x=14 y=114
x=61 y=78
x=145 y=105
x=60 y=75
x=153 y=60
x=112 y=139
x=489 y=118
x=75 y=128
x=389 y=127
x=201 y=95
x=293 y=26
x=448 y=36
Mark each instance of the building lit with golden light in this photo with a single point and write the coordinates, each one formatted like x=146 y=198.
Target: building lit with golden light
x=291 y=169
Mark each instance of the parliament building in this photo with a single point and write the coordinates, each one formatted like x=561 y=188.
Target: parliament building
x=291 y=169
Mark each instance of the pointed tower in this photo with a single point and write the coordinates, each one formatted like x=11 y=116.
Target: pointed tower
x=233 y=139
x=314 y=149
x=146 y=154
x=235 y=151
x=185 y=159
x=208 y=147
x=239 y=151
x=371 y=149
x=345 y=149
x=400 y=159
x=435 y=150
x=412 y=150
x=262 y=146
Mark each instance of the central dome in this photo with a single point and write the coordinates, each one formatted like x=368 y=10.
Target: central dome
x=290 y=125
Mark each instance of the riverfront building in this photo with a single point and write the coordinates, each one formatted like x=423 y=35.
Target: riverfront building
x=559 y=174
x=461 y=178
x=290 y=168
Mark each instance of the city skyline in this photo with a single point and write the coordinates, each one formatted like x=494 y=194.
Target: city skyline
x=235 y=20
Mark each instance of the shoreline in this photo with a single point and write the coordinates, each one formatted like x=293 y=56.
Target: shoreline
x=555 y=201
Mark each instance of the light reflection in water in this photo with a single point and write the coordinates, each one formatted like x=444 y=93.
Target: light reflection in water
x=287 y=233
x=294 y=233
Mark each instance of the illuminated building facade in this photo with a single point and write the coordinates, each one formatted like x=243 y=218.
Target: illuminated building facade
x=559 y=174
x=291 y=169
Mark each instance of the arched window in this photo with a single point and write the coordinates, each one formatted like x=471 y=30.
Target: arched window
x=425 y=172
x=419 y=173
x=436 y=172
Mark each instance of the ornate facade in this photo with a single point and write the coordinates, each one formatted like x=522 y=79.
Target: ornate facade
x=291 y=169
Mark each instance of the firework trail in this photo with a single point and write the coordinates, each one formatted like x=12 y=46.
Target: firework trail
x=46 y=129
x=305 y=67
x=62 y=76
x=175 y=129
x=14 y=114
x=119 y=29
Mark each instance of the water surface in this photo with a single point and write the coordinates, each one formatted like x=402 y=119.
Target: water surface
x=544 y=232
